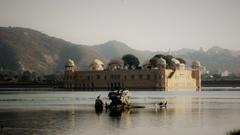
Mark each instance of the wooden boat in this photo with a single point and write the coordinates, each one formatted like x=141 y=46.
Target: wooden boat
x=119 y=100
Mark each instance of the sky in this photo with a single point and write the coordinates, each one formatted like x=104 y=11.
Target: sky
x=142 y=24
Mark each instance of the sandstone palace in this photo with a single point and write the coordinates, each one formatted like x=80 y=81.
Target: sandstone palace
x=115 y=76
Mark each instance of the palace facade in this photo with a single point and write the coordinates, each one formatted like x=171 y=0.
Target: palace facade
x=117 y=76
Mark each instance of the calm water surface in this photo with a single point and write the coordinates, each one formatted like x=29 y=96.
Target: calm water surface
x=72 y=113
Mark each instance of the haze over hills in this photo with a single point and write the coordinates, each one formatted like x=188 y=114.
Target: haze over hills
x=216 y=59
x=116 y=49
x=27 y=49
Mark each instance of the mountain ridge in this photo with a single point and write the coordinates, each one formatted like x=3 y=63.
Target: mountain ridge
x=27 y=49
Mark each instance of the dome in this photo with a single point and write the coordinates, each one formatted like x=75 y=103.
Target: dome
x=96 y=62
x=196 y=63
x=69 y=63
x=175 y=61
x=96 y=65
x=161 y=61
x=115 y=64
x=116 y=61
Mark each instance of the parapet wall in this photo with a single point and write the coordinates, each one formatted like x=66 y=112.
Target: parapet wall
x=142 y=79
x=180 y=80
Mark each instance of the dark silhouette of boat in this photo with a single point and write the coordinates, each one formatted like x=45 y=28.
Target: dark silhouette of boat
x=162 y=105
x=119 y=100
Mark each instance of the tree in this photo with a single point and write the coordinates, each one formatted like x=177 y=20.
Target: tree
x=168 y=58
x=153 y=61
x=170 y=64
x=131 y=61
x=181 y=60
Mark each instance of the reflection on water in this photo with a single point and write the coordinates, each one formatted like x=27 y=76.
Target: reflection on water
x=73 y=113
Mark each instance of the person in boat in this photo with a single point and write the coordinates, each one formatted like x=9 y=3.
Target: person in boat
x=99 y=100
x=98 y=103
x=161 y=103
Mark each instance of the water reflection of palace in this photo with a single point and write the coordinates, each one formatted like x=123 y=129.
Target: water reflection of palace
x=117 y=76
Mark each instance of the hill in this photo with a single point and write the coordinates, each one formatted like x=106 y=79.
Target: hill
x=26 y=49
x=216 y=59
x=115 y=49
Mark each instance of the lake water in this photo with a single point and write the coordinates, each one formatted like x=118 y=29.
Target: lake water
x=72 y=113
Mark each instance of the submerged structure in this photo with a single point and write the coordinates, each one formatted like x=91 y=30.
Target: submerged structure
x=116 y=76
x=119 y=100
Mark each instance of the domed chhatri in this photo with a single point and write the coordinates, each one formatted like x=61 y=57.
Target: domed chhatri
x=161 y=63
x=175 y=61
x=159 y=76
x=96 y=65
x=196 y=64
x=115 y=64
x=70 y=65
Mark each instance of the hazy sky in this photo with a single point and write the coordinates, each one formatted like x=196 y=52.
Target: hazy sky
x=142 y=24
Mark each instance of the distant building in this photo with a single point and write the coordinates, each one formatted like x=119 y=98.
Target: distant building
x=115 y=76
x=224 y=73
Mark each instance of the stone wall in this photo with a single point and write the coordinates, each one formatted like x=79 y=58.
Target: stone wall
x=158 y=79
x=181 y=80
